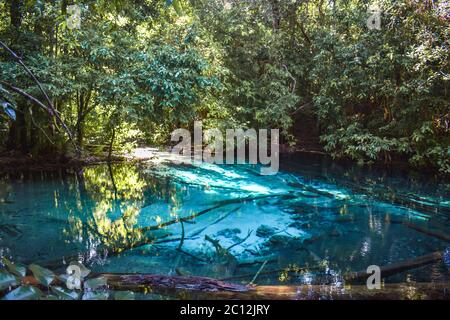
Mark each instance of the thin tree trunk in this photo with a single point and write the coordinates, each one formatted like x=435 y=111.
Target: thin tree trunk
x=111 y=142
x=276 y=14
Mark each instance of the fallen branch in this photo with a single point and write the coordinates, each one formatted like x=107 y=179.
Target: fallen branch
x=192 y=287
x=386 y=271
x=257 y=273
x=182 y=236
x=192 y=255
x=223 y=253
x=250 y=262
x=428 y=232
x=381 y=193
x=151 y=239
x=200 y=213
x=287 y=270
x=398 y=267
x=197 y=232
x=27 y=96
x=111 y=250
x=240 y=241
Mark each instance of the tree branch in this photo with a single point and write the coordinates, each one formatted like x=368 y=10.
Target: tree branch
x=50 y=108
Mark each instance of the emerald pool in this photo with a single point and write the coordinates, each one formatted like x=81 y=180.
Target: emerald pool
x=311 y=223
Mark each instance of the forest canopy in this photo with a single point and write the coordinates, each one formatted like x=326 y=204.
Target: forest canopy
x=136 y=70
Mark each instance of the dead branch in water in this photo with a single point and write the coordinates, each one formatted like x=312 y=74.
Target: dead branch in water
x=429 y=232
x=194 y=287
x=150 y=239
x=200 y=213
x=207 y=288
x=398 y=267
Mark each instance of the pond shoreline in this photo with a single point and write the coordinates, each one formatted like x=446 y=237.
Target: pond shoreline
x=26 y=162
x=183 y=223
x=19 y=162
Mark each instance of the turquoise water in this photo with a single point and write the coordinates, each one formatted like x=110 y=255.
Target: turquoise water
x=311 y=223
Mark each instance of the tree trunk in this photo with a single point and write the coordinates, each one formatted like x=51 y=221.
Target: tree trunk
x=79 y=125
x=15 y=11
x=80 y=134
x=276 y=14
x=22 y=131
x=181 y=287
x=111 y=142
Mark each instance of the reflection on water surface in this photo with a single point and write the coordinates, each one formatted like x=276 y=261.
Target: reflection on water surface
x=311 y=223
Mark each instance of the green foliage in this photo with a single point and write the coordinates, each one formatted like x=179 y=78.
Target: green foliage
x=7 y=280
x=382 y=93
x=133 y=73
x=114 y=74
x=15 y=268
x=13 y=286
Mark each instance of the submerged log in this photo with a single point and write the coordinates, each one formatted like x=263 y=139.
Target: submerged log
x=208 y=288
x=433 y=233
x=181 y=287
x=152 y=238
x=438 y=234
x=398 y=267
x=194 y=287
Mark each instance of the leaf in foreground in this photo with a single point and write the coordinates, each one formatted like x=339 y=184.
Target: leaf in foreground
x=6 y=280
x=42 y=275
x=24 y=293
x=18 y=269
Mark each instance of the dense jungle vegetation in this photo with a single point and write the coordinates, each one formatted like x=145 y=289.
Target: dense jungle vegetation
x=136 y=70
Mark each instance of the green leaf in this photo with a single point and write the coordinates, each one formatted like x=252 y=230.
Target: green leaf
x=18 y=269
x=95 y=283
x=6 y=280
x=93 y=295
x=65 y=294
x=177 y=7
x=42 y=275
x=124 y=295
x=24 y=293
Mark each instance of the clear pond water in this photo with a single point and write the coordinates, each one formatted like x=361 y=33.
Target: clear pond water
x=311 y=223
